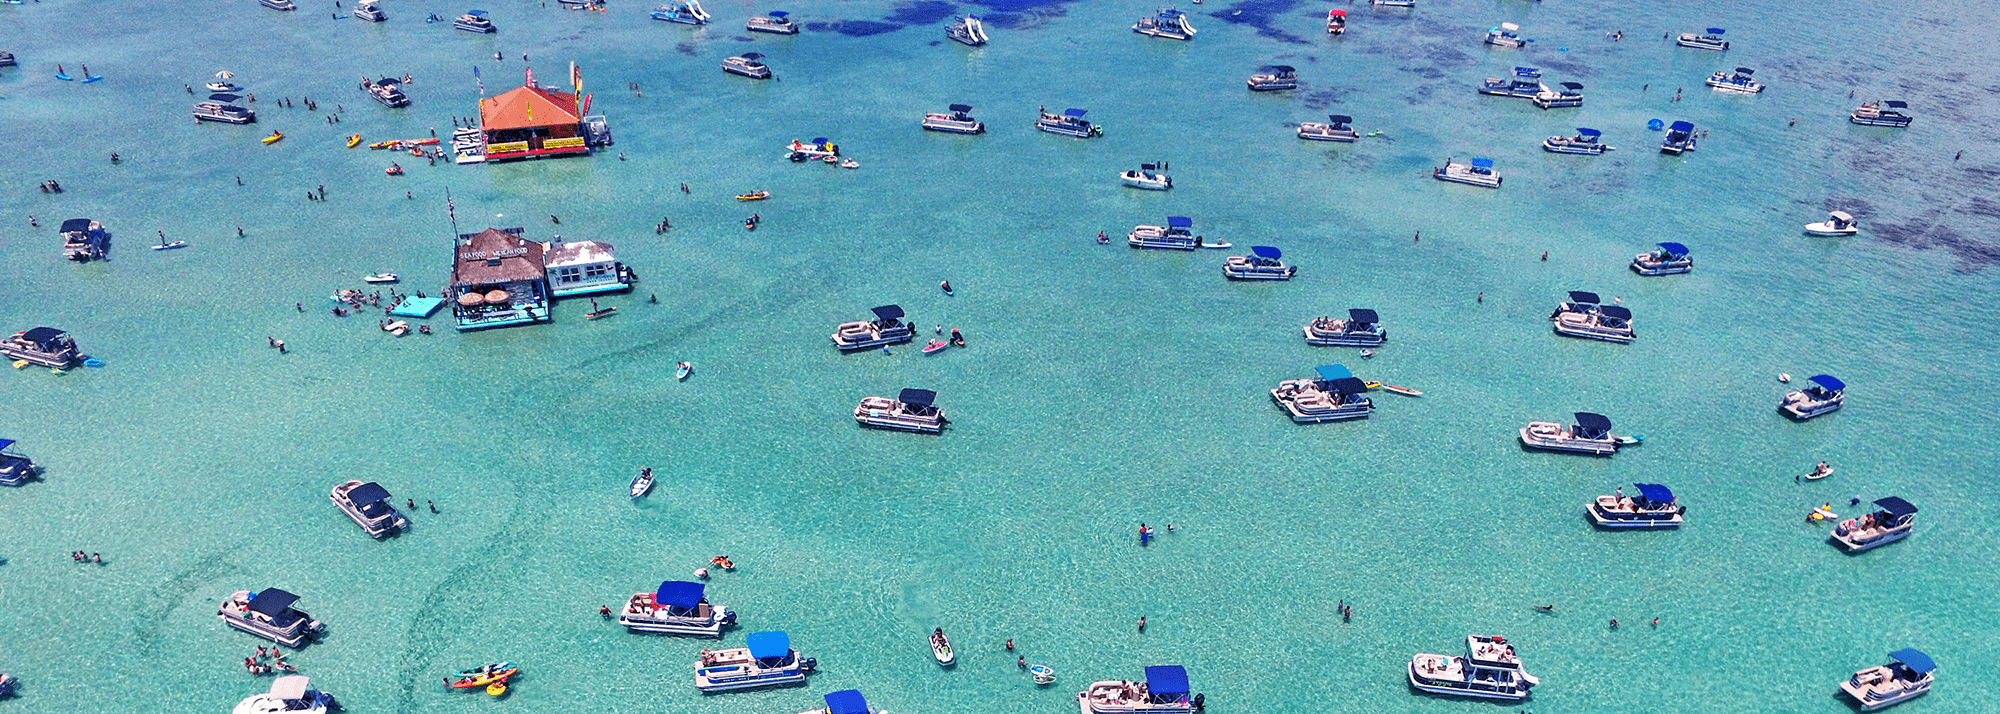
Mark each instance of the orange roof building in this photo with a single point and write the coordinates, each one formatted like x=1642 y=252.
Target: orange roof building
x=530 y=123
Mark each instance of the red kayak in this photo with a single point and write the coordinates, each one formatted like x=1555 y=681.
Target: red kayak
x=935 y=346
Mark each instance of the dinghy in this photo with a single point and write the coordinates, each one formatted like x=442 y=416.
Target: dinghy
x=643 y=483
x=380 y=278
x=682 y=370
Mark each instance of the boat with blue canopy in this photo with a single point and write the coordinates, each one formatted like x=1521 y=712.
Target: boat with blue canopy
x=1590 y=434
x=370 y=506
x=1274 y=77
x=1823 y=394
x=1336 y=128
x=676 y=608
x=1263 y=263
x=1570 y=94
x=270 y=615
x=958 y=121
x=1334 y=395
x=1490 y=669
x=845 y=701
x=777 y=22
x=685 y=12
x=1587 y=141
x=766 y=660
x=1177 y=234
x=1738 y=82
x=912 y=410
x=1893 y=520
x=1165 y=691
x=1525 y=83
x=1069 y=123
x=1670 y=259
x=1362 y=328
x=1908 y=675
x=1887 y=113
x=1506 y=35
x=1711 y=39
x=1478 y=173
x=888 y=328
x=1653 y=507
x=15 y=469
x=748 y=64
x=1582 y=316
x=474 y=21
x=1681 y=137
x=1170 y=24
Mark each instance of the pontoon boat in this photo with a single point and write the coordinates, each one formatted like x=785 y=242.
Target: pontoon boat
x=1652 y=507
x=1894 y=522
x=1824 y=394
x=1336 y=395
x=676 y=608
x=1590 y=435
x=912 y=410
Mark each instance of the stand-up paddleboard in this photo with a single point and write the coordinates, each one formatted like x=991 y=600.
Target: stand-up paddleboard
x=1218 y=246
x=92 y=78
x=65 y=77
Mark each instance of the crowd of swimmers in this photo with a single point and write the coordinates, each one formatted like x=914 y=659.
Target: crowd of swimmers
x=81 y=557
x=256 y=665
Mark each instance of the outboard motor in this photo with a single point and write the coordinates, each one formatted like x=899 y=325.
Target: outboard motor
x=730 y=618
x=809 y=665
x=1200 y=701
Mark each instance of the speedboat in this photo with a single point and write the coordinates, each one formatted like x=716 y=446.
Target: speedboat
x=1711 y=39
x=44 y=346
x=15 y=469
x=941 y=648
x=748 y=64
x=370 y=506
x=959 y=121
x=1823 y=394
x=1263 y=263
x=1568 y=96
x=1478 y=173
x=1170 y=23
x=778 y=22
x=1837 y=223
x=1881 y=114
x=1680 y=138
x=367 y=10
x=912 y=410
x=288 y=695
x=1525 y=84
x=676 y=608
x=1069 y=123
x=1147 y=176
x=1335 y=129
x=1336 y=395
x=1894 y=522
x=1591 y=434
x=1506 y=35
x=278 y=4
x=1177 y=234
x=1738 y=82
x=1361 y=329
x=767 y=661
x=1653 y=507
x=1490 y=669
x=686 y=12
x=380 y=278
x=966 y=30
x=388 y=91
x=1274 y=77
x=1908 y=675
x=819 y=149
x=1165 y=691
x=1670 y=259
x=887 y=328
x=1581 y=316
x=1587 y=141
x=1336 y=22
x=474 y=21
x=270 y=615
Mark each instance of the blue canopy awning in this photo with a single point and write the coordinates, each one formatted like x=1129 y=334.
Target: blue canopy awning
x=767 y=645
x=1340 y=118
x=368 y=493
x=780 y=14
x=272 y=602
x=1896 y=507
x=846 y=701
x=1615 y=311
x=1074 y=112
x=888 y=312
x=1330 y=372
x=1917 y=661
x=1655 y=492
x=1674 y=248
x=1180 y=222
x=1527 y=72
x=1827 y=381
x=1586 y=131
x=1897 y=104
x=917 y=397
x=4 y=443
x=1167 y=680
x=1579 y=296
x=1593 y=422
x=1681 y=126
x=679 y=593
x=1265 y=251
x=1482 y=163
x=961 y=107
x=1348 y=385
x=816 y=139
x=1362 y=315
x=1572 y=86
x=756 y=56
x=1715 y=30
x=476 y=13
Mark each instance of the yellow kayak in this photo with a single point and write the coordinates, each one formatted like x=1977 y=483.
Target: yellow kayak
x=353 y=140
x=276 y=135
x=485 y=679
x=757 y=196
x=383 y=144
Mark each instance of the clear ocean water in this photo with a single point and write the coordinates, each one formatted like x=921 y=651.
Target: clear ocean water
x=1101 y=387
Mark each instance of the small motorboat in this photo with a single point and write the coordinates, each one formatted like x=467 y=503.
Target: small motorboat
x=380 y=278
x=849 y=164
x=1630 y=440
x=1405 y=391
x=935 y=346
x=1819 y=472
x=274 y=137
x=643 y=483
x=603 y=312
x=171 y=246
x=1043 y=674
x=753 y=196
x=1783 y=377
x=353 y=141
x=682 y=370
x=1365 y=354
x=1837 y=223
x=941 y=648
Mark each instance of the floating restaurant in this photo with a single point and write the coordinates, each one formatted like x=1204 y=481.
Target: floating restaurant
x=532 y=122
x=584 y=267
x=498 y=278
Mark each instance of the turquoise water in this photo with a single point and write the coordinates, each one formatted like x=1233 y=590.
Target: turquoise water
x=1102 y=387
